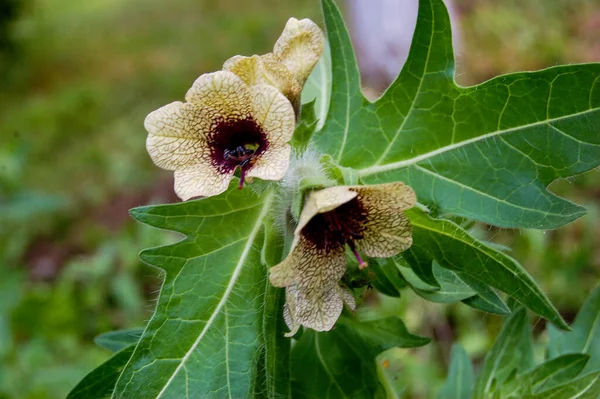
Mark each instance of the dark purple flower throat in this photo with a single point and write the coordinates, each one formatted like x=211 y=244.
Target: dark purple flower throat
x=236 y=142
x=341 y=226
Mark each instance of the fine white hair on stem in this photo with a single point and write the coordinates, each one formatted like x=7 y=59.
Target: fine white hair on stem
x=305 y=165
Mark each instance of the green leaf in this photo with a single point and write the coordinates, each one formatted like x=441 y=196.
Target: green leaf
x=100 y=383
x=586 y=387
x=117 y=340
x=452 y=288
x=413 y=279
x=341 y=362
x=453 y=248
x=306 y=127
x=485 y=152
x=318 y=86
x=459 y=384
x=385 y=333
x=205 y=336
x=585 y=336
x=388 y=279
x=555 y=372
x=510 y=353
x=486 y=299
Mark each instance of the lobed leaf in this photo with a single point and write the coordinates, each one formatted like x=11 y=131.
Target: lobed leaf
x=453 y=248
x=485 y=152
x=206 y=335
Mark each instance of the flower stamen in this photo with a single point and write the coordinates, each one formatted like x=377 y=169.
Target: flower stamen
x=245 y=155
x=339 y=227
x=361 y=263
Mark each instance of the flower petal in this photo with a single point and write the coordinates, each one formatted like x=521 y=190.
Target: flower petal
x=274 y=113
x=299 y=47
x=201 y=179
x=178 y=133
x=309 y=268
x=272 y=164
x=387 y=231
x=222 y=91
x=266 y=69
x=317 y=312
x=290 y=321
x=348 y=298
x=322 y=201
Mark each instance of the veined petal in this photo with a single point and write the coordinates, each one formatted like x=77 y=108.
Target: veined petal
x=299 y=47
x=322 y=201
x=317 y=312
x=274 y=113
x=347 y=298
x=387 y=231
x=224 y=92
x=202 y=179
x=272 y=164
x=266 y=69
x=177 y=135
x=311 y=269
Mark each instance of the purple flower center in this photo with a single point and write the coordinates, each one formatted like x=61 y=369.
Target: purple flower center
x=236 y=143
x=342 y=226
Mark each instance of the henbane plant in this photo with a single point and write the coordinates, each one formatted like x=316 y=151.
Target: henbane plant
x=351 y=188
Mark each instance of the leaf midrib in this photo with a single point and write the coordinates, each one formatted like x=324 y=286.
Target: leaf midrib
x=236 y=273
x=322 y=360
x=375 y=169
x=484 y=194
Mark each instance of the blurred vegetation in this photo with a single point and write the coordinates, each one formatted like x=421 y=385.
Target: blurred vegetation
x=78 y=79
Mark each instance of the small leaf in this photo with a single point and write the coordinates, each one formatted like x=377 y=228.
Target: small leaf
x=100 y=382
x=452 y=288
x=305 y=128
x=555 y=372
x=117 y=340
x=586 y=387
x=388 y=279
x=486 y=299
x=422 y=266
x=341 y=362
x=507 y=356
x=585 y=337
x=385 y=333
x=415 y=280
x=459 y=384
x=453 y=248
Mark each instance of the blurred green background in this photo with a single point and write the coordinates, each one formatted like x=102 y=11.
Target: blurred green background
x=76 y=81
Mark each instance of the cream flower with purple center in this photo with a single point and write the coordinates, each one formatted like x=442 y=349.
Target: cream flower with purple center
x=293 y=58
x=364 y=219
x=224 y=125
